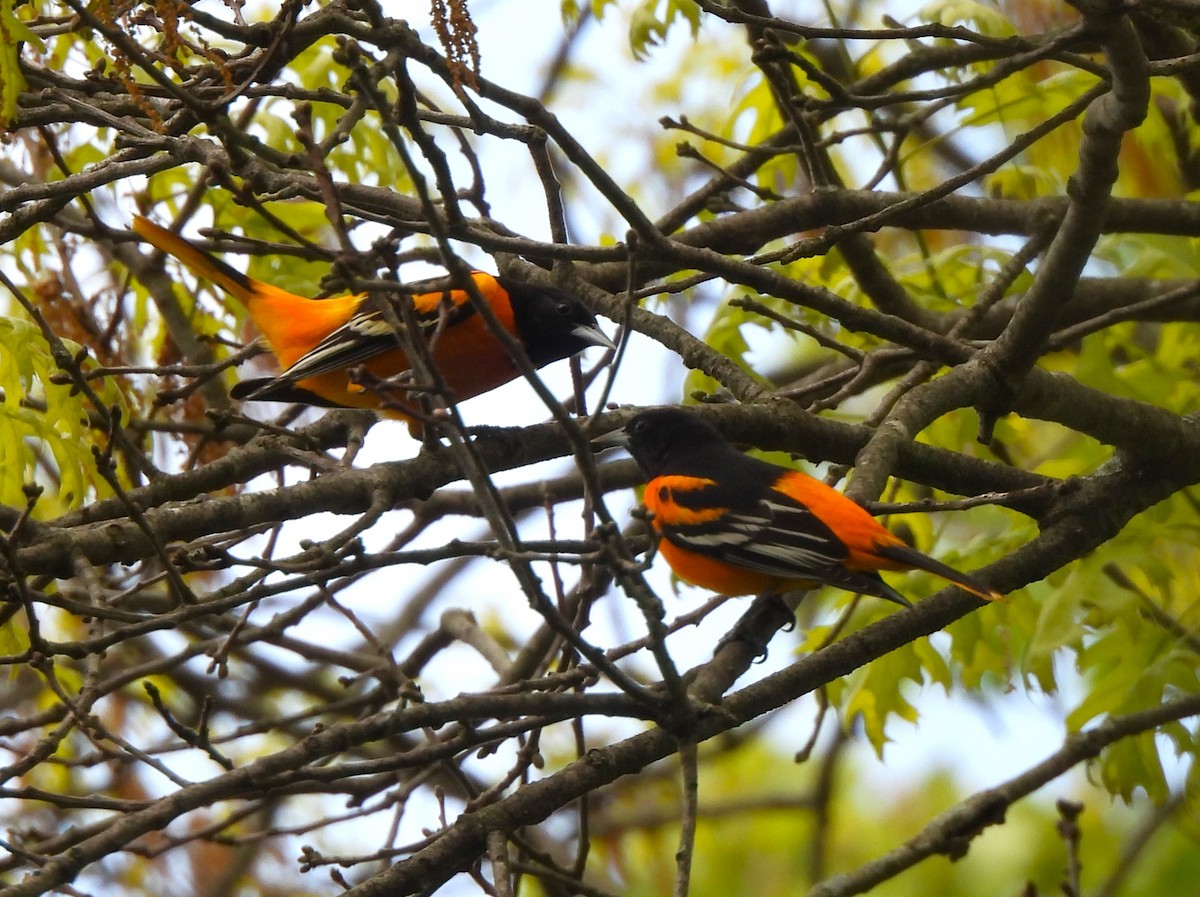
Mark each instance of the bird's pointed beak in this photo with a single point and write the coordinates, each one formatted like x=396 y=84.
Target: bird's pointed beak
x=615 y=439
x=593 y=336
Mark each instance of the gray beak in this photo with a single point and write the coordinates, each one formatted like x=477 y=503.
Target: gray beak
x=615 y=439
x=593 y=336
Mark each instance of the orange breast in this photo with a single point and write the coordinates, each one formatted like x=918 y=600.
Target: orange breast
x=470 y=359
x=724 y=579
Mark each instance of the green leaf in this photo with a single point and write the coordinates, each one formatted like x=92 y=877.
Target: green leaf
x=55 y=442
x=875 y=694
x=985 y=17
x=652 y=20
x=1134 y=763
x=13 y=32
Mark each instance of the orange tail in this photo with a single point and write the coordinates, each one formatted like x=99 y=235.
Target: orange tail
x=243 y=288
x=910 y=557
x=292 y=325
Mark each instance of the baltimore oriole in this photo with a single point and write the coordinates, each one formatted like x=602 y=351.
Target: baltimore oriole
x=740 y=526
x=318 y=341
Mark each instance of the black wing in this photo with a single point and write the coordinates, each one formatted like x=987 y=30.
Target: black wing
x=780 y=537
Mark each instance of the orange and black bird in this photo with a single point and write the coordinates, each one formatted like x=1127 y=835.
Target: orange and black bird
x=318 y=341
x=740 y=526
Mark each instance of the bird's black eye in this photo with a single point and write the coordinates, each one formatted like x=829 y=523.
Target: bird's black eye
x=563 y=307
x=638 y=426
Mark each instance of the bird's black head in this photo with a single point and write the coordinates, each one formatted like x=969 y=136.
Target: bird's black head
x=551 y=324
x=672 y=440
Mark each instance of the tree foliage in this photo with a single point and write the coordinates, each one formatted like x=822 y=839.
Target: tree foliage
x=954 y=253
